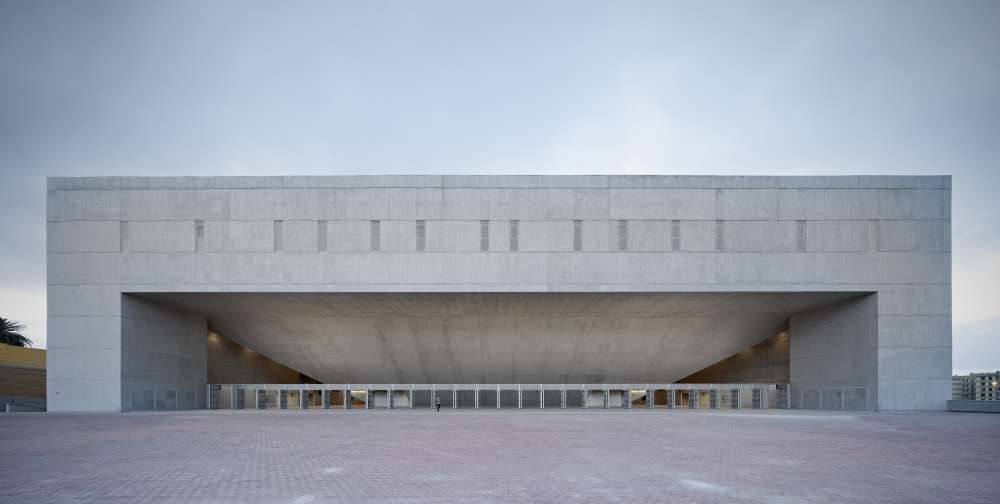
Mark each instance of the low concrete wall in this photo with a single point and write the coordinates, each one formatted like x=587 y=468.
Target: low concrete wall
x=164 y=349
x=834 y=346
x=974 y=406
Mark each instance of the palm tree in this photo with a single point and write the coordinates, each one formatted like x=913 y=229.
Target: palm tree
x=10 y=333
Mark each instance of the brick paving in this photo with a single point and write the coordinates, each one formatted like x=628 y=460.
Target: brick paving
x=499 y=456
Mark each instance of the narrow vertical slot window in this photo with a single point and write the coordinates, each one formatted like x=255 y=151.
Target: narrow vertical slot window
x=623 y=235
x=577 y=235
x=513 y=235
x=199 y=236
x=675 y=235
x=720 y=235
x=376 y=234
x=421 y=236
x=279 y=227
x=800 y=235
x=484 y=235
x=321 y=235
x=122 y=236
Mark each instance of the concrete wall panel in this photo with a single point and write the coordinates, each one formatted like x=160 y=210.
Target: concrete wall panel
x=348 y=236
x=748 y=204
x=85 y=332
x=453 y=236
x=914 y=236
x=84 y=300
x=683 y=204
x=153 y=269
x=644 y=235
x=92 y=269
x=914 y=204
x=399 y=236
x=545 y=236
x=164 y=204
x=828 y=204
x=160 y=236
x=164 y=347
x=238 y=268
x=96 y=204
x=74 y=395
x=84 y=236
x=239 y=236
x=299 y=236
x=602 y=235
x=835 y=346
x=761 y=236
x=697 y=236
x=840 y=236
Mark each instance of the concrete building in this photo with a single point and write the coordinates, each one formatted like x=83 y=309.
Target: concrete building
x=977 y=387
x=820 y=282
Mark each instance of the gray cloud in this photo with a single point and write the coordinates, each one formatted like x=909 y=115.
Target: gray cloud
x=144 y=88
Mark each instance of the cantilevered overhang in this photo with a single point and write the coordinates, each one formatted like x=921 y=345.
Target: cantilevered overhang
x=498 y=337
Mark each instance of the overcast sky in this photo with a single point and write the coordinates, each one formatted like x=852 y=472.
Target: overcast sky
x=759 y=88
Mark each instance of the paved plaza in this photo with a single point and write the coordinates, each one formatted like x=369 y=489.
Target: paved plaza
x=499 y=456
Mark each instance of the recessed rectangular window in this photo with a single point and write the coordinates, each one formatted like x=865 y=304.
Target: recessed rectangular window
x=577 y=235
x=623 y=235
x=279 y=227
x=675 y=235
x=199 y=236
x=122 y=235
x=321 y=235
x=484 y=235
x=421 y=235
x=376 y=235
x=720 y=235
x=513 y=235
x=800 y=235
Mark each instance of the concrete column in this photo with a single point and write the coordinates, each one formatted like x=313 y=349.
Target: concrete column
x=498 y=397
x=562 y=398
x=477 y=396
x=519 y=396
x=411 y=396
x=388 y=400
x=605 y=397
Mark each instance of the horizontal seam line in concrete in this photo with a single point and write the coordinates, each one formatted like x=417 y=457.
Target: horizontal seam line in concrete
x=442 y=187
x=505 y=219
x=517 y=252
x=437 y=283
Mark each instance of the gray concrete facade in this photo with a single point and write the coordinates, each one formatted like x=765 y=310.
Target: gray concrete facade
x=886 y=239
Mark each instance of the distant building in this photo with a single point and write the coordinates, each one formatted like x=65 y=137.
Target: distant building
x=976 y=387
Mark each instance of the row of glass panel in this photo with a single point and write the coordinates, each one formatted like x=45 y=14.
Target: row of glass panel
x=288 y=397
x=163 y=399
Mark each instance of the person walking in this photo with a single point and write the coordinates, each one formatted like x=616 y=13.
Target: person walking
x=437 y=402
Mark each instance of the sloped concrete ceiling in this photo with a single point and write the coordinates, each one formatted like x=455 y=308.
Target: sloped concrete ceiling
x=498 y=337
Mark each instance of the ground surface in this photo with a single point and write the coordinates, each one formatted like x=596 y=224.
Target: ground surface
x=491 y=456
